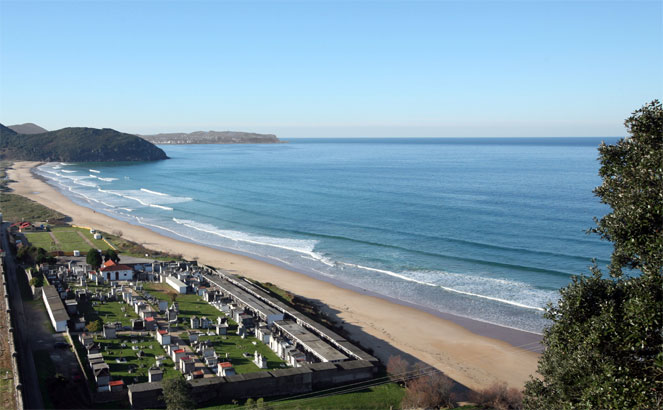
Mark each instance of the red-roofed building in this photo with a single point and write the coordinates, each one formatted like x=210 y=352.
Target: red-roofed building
x=116 y=385
x=150 y=323
x=225 y=369
x=112 y=271
x=177 y=354
x=163 y=337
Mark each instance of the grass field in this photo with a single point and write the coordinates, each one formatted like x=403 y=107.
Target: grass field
x=190 y=305
x=381 y=397
x=108 y=312
x=16 y=208
x=235 y=346
x=150 y=347
x=68 y=240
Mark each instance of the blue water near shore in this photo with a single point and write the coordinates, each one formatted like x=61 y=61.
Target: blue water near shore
x=487 y=229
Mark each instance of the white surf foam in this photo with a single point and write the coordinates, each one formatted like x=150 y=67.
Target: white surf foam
x=68 y=171
x=153 y=192
x=95 y=171
x=167 y=208
x=107 y=179
x=146 y=198
x=470 y=282
x=303 y=246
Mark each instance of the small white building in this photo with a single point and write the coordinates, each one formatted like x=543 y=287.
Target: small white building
x=176 y=284
x=163 y=337
x=259 y=360
x=55 y=308
x=225 y=369
x=112 y=271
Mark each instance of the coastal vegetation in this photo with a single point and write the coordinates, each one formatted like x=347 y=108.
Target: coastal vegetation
x=18 y=208
x=77 y=144
x=604 y=348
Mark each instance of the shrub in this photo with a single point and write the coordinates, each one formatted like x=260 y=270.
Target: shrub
x=499 y=397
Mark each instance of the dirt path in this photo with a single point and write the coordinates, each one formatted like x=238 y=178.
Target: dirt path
x=54 y=238
x=86 y=239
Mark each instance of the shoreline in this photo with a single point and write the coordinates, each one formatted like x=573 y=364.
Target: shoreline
x=474 y=353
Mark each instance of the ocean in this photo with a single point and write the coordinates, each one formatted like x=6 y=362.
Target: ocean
x=488 y=229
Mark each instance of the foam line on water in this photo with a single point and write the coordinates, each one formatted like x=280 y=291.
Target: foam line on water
x=167 y=208
x=302 y=246
x=95 y=171
x=153 y=192
x=462 y=292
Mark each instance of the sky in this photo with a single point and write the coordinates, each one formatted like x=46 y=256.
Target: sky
x=332 y=69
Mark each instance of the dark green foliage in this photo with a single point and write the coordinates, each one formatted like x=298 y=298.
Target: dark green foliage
x=111 y=255
x=77 y=145
x=31 y=255
x=95 y=325
x=177 y=394
x=604 y=348
x=93 y=258
x=633 y=187
x=37 y=281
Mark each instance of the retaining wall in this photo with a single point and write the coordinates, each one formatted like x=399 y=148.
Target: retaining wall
x=12 y=343
x=281 y=382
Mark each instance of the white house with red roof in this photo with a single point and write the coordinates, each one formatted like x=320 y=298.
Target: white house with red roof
x=163 y=337
x=112 y=271
x=225 y=369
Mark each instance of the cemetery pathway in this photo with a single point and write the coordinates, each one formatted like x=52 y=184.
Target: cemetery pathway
x=55 y=240
x=86 y=239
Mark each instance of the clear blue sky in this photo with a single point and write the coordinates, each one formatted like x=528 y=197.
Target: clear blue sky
x=327 y=69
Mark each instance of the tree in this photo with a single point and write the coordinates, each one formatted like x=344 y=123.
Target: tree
x=95 y=326
x=111 y=255
x=398 y=369
x=604 y=346
x=93 y=258
x=37 y=281
x=177 y=394
x=429 y=392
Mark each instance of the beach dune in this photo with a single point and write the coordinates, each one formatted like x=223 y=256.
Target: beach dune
x=475 y=360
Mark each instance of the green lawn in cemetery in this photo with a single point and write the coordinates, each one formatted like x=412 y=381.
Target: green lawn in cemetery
x=112 y=349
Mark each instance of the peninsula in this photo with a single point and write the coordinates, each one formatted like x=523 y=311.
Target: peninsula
x=76 y=144
x=212 y=137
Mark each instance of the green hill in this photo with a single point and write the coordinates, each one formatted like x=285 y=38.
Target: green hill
x=77 y=145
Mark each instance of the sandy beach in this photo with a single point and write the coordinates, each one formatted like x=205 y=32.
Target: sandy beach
x=473 y=353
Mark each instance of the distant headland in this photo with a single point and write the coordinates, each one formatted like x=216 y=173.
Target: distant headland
x=76 y=144
x=212 y=137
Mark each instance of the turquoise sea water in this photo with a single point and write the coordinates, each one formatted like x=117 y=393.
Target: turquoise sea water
x=488 y=229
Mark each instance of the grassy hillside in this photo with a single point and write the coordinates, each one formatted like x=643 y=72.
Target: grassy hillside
x=77 y=145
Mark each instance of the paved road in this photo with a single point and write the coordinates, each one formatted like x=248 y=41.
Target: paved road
x=31 y=393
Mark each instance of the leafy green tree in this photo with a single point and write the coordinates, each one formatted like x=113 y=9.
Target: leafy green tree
x=111 y=255
x=93 y=258
x=95 y=326
x=37 y=281
x=604 y=348
x=177 y=394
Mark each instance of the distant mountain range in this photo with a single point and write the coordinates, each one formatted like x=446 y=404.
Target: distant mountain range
x=212 y=137
x=75 y=145
x=28 y=128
